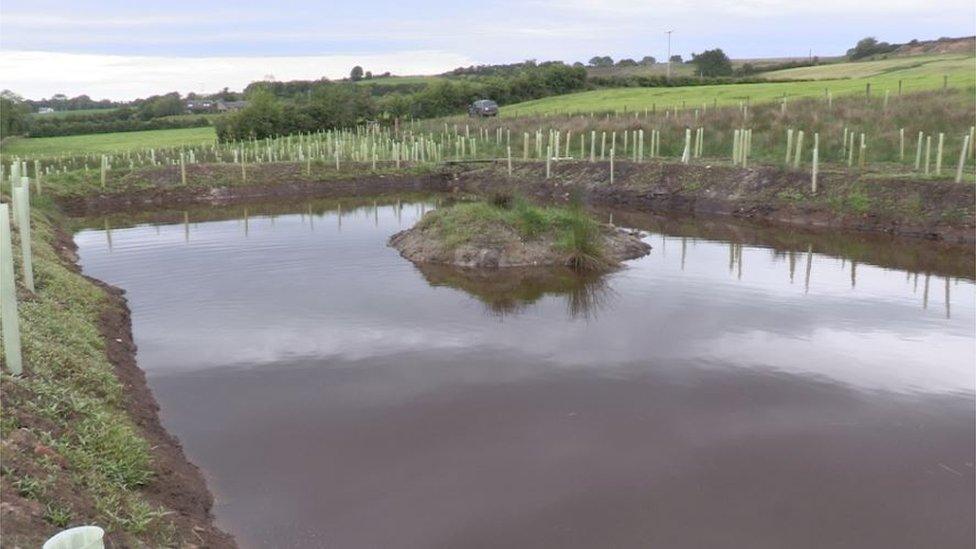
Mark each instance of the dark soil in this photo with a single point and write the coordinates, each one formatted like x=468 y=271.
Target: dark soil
x=935 y=210
x=280 y=188
x=929 y=209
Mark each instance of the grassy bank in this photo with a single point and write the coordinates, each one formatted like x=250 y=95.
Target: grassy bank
x=75 y=451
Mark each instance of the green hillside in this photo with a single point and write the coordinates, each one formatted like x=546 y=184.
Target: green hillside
x=915 y=73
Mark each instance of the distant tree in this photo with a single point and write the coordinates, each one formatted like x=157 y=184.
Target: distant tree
x=356 y=74
x=648 y=60
x=604 y=61
x=227 y=95
x=746 y=69
x=14 y=114
x=869 y=46
x=578 y=64
x=712 y=63
x=368 y=75
x=15 y=97
x=161 y=105
x=262 y=117
x=626 y=63
x=676 y=59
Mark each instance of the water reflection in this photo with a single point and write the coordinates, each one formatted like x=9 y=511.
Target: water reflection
x=337 y=395
x=511 y=291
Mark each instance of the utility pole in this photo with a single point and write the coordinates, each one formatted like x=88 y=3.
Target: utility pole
x=669 y=53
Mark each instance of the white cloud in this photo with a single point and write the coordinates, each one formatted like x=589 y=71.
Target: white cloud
x=38 y=74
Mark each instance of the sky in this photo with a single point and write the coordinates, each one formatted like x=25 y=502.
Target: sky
x=120 y=49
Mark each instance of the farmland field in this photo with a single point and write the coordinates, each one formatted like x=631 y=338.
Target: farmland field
x=924 y=65
x=108 y=142
x=914 y=74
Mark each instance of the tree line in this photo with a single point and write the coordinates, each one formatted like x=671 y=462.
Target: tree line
x=283 y=108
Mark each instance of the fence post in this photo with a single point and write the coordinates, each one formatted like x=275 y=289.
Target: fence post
x=962 y=158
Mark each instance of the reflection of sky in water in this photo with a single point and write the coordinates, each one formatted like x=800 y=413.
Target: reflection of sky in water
x=292 y=289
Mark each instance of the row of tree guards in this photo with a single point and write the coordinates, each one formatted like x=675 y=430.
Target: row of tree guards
x=373 y=145
x=17 y=219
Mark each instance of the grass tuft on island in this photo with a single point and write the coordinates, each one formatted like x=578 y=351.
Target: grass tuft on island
x=509 y=231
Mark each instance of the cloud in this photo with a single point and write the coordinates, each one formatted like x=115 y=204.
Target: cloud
x=761 y=8
x=47 y=21
x=41 y=74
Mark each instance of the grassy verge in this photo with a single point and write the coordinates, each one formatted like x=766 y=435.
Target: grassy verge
x=72 y=453
x=491 y=222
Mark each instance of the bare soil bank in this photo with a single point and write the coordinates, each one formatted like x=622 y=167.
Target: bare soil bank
x=937 y=210
x=280 y=182
x=930 y=209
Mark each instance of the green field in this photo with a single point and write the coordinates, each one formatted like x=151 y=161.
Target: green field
x=107 y=142
x=69 y=114
x=936 y=65
x=915 y=73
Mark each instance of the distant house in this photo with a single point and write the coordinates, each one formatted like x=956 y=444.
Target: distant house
x=200 y=106
x=194 y=106
x=45 y=110
x=225 y=106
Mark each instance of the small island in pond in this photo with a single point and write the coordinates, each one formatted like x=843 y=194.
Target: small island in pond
x=507 y=231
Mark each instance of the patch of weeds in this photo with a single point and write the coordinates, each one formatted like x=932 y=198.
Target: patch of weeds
x=57 y=514
x=857 y=201
x=955 y=215
x=790 y=195
x=29 y=487
x=912 y=207
x=692 y=186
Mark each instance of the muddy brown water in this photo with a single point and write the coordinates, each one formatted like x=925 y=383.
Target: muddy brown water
x=738 y=387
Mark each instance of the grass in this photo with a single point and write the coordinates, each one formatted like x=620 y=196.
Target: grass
x=936 y=65
x=40 y=147
x=572 y=230
x=70 y=402
x=69 y=114
x=916 y=74
x=951 y=112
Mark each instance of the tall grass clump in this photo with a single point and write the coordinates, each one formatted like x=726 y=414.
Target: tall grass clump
x=581 y=238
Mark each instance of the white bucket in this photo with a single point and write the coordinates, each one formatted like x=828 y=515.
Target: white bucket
x=81 y=537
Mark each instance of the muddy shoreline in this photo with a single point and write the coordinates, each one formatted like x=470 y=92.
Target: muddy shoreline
x=931 y=210
x=177 y=484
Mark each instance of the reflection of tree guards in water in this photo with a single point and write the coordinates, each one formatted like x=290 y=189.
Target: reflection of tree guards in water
x=510 y=291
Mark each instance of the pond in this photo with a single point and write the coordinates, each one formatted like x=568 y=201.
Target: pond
x=740 y=386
